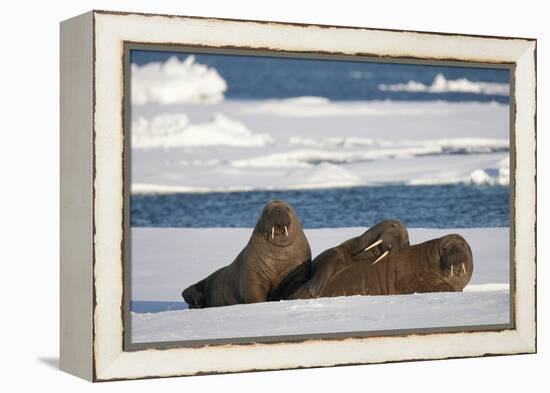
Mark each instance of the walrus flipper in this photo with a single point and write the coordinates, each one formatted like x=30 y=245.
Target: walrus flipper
x=194 y=295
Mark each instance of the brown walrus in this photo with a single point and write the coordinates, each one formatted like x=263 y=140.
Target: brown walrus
x=384 y=238
x=276 y=254
x=438 y=265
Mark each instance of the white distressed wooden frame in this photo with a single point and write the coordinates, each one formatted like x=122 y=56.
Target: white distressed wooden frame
x=92 y=194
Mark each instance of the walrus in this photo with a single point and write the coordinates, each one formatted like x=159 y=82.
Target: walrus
x=276 y=254
x=444 y=264
x=386 y=237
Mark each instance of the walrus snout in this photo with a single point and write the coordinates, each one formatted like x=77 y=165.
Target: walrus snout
x=383 y=239
x=456 y=260
x=192 y=297
x=277 y=219
x=398 y=233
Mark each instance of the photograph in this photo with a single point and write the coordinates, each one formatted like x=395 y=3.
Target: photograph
x=238 y=196
x=276 y=196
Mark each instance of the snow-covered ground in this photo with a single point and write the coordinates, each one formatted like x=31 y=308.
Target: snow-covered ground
x=311 y=142
x=167 y=260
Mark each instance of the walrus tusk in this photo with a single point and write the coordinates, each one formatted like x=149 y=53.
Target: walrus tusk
x=463 y=267
x=452 y=273
x=286 y=231
x=380 y=257
x=373 y=244
x=272 y=232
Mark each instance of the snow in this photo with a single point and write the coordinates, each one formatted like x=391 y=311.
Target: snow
x=173 y=130
x=300 y=170
x=329 y=315
x=455 y=145
x=176 y=81
x=487 y=287
x=308 y=107
x=167 y=260
x=442 y=85
x=254 y=145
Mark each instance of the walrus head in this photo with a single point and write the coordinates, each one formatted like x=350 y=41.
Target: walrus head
x=384 y=238
x=393 y=236
x=437 y=265
x=456 y=261
x=278 y=223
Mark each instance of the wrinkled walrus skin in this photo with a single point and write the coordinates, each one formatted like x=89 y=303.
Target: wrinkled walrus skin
x=277 y=250
x=438 y=265
x=384 y=238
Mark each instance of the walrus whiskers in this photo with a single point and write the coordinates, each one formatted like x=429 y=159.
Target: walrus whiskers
x=272 y=232
x=286 y=231
x=380 y=257
x=373 y=244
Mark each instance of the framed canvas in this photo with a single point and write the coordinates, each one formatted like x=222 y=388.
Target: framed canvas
x=246 y=195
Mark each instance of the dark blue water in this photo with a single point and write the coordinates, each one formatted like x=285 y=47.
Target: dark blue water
x=447 y=206
x=259 y=77
x=153 y=306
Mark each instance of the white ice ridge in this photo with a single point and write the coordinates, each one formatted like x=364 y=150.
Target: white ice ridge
x=176 y=81
x=324 y=175
x=444 y=145
x=490 y=175
x=383 y=150
x=442 y=85
x=301 y=172
x=260 y=174
x=312 y=107
x=174 y=130
x=500 y=175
